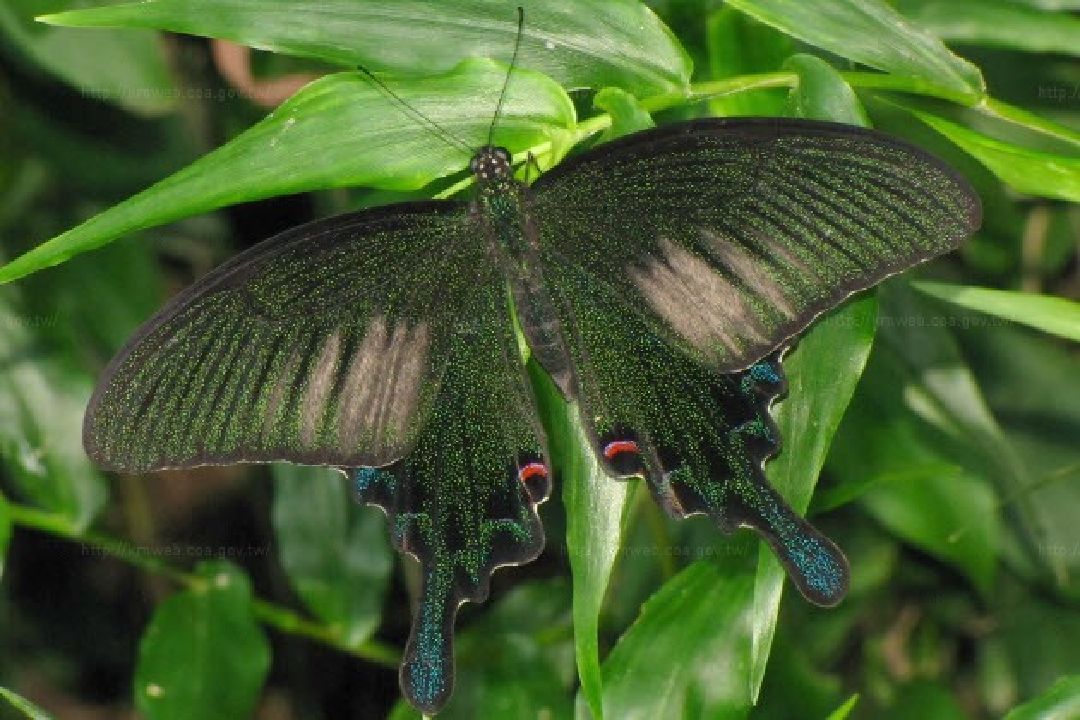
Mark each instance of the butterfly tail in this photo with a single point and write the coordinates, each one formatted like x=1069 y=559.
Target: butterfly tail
x=813 y=562
x=427 y=669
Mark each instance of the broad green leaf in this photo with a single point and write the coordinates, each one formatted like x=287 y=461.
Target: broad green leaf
x=872 y=33
x=739 y=45
x=24 y=707
x=334 y=551
x=121 y=67
x=920 y=408
x=1030 y=382
x=1028 y=171
x=42 y=399
x=947 y=396
x=998 y=23
x=203 y=655
x=515 y=661
x=1055 y=315
x=822 y=373
x=627 y=115
x=688 y=653
x=5 y=531
x=821 y=93
x=595 y=509
x=580 y=43
x=953 y=517
x=1060 y=702
x=336 y=132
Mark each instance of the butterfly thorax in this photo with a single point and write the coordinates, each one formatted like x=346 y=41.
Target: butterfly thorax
x=502 y=209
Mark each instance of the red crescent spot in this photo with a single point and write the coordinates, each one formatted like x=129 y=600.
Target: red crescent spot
x=531 y=470
x=620 y=446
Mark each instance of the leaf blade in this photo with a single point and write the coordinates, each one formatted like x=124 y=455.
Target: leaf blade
x=579 y=43
x=334 y=552
x=300 y=147
x=203 y=655
x=871 y=33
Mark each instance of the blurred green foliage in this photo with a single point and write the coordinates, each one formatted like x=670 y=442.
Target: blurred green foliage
x=942 y=415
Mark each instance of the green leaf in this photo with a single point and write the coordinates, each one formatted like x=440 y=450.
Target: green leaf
x=42 y=400
x=5 y=531
x=920 y=407
x=687 y=655
x=822 y=94
x=842 y=712
x=952 y=517
x=627 y=115
x=580 y=43
x=25 y=708
x=996 y=23
x=822 y=373
x=738 y=45
x=596 y=507
x=515 y=661
x=872 y=33
x=122 y=67
x=1060 y=702
x=336 y=132
x=1054 y=315
x=1028 y=171
x=203 y=655
x=334 y=551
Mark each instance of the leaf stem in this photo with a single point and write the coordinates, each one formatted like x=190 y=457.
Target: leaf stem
x=281 y=618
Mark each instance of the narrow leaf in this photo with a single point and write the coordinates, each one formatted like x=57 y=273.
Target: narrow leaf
x=334 y=551
x=121 y=67
x=595 y=506
x=822 y=370
x=24 y=707
x=1060 y=702
x=1054 y=315
x=580 y=43
x=5 y=531
x=872 y=33
x=1028 y=171
x=690 y=647
x=336 y=132
x=842 y=712
x=996 y=23
x=203 y=655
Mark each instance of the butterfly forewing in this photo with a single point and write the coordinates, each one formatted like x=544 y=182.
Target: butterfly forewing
x=734 y=234
x=323 y=345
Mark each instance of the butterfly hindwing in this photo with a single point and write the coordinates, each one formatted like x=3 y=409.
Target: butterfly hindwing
x=464 y=501
x=734 y=234
x=698 y=435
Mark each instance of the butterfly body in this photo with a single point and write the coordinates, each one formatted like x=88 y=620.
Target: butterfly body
x=657 y=279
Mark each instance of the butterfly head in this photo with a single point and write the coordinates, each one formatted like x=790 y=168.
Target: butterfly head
x=491 y=163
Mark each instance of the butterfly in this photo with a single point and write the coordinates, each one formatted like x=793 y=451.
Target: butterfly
x=657 y=279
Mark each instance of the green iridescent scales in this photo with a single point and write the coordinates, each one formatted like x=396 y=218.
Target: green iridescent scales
x=658 y=280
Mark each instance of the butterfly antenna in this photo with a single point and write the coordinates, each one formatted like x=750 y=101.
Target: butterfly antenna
x=509 y=72
x=439 y=131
